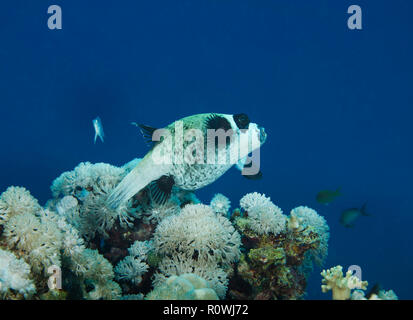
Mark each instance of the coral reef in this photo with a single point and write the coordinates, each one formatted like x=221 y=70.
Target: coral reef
x=277 y=249
x=181 y=249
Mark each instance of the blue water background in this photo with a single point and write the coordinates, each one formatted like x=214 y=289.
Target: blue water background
x=336 y=104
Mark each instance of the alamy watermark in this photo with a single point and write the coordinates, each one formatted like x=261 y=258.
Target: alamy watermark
x=55 y=20
x=354 y=21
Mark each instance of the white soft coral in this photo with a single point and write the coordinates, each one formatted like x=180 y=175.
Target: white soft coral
x=87 y=176
x=132 y=267
x=220 y=204
x=267 y=218
x=178 y=265
x=15 y=275
x=39 y=238
x=253 y=199
x=91 y=183
x=197 y=230
x=16 y=200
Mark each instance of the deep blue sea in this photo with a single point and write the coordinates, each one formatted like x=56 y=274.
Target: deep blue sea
x=336 y=103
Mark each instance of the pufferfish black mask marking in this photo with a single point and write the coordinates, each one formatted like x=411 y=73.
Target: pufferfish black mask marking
x=242 y=121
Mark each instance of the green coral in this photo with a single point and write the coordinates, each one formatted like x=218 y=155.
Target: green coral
x=272 y=264
x=267 y=256
x=54 y=295
x=153 y=259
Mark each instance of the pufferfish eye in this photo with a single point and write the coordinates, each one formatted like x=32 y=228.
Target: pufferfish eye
x=242 y=121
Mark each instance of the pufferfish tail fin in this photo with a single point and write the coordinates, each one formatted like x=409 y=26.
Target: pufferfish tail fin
x=144 y=173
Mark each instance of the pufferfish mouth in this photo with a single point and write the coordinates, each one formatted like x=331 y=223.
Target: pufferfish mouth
x=263 y=135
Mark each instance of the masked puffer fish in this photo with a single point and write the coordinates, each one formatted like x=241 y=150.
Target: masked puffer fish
x=191 y=153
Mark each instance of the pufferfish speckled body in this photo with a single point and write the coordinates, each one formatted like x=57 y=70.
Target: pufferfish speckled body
x=182 y=157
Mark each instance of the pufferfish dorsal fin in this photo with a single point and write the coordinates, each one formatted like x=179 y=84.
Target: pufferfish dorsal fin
x=161 y=189
x=216 y=122
x=147 y=133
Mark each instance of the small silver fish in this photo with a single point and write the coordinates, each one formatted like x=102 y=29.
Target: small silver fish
x=97 y=124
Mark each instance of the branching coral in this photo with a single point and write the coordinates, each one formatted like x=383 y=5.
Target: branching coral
x=340 y=285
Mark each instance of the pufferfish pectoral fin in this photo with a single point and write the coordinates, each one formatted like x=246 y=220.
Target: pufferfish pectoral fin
x=141 y=176
x=161 y=189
